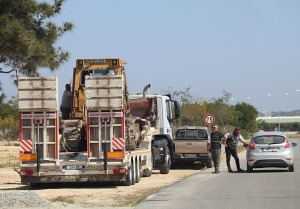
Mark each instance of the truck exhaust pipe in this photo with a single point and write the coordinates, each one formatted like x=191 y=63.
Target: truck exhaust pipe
x=145 y=90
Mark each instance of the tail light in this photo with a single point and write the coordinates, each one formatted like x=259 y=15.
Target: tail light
x=208 y=147
x=119 y=170
x=26 y=173
x=251 y=145
x=287 y=144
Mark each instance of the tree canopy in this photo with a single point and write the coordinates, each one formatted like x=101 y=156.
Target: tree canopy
x=27 y=36
x=241 y=115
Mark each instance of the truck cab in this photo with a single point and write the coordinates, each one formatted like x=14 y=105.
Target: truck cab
x=161 y=110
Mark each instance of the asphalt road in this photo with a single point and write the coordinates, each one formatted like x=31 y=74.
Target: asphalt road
x=264 y=188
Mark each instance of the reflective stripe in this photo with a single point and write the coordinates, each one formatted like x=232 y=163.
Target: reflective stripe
x=25 y=145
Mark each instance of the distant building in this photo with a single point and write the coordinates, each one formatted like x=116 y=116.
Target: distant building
x=288 y=119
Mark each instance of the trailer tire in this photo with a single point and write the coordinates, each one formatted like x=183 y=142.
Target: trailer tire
x=133 y=171
x=148 y=171
x=138 y=171
x=165 y=167
x=128 y=178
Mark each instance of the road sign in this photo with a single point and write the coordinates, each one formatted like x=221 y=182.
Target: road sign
x=209 y=119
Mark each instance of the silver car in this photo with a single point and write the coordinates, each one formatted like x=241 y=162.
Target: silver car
x=270 y=149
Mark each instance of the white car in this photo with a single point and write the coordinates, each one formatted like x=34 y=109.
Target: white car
x=270 y=149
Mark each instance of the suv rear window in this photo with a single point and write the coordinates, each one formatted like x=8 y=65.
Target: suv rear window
x=269 y=140
x=191 y=133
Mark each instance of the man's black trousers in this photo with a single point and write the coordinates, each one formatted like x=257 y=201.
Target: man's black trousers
x=232 y=152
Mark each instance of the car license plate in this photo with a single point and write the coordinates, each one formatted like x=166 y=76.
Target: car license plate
x=190 y=155
x=270 y=150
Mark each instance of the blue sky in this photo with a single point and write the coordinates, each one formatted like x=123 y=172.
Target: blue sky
x=249 y=48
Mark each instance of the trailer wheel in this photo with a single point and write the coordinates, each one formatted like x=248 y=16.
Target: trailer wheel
x=137 y=171
x=165 y=167
x=148 y=171
x=133 y=171
x=128 y=178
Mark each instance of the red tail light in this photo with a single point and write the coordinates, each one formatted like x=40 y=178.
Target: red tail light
x=26 y=173
x=208 y=147
x=251 y=145
x=119 y=170
x=287 y=144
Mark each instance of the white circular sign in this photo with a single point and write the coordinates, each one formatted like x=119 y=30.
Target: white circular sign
x=209 y=119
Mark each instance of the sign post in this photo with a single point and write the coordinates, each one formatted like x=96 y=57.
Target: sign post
x=209 y=119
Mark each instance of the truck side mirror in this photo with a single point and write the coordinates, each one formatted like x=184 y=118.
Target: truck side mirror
x=176 y=109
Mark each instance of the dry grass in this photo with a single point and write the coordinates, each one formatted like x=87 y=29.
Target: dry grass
x=9 y=154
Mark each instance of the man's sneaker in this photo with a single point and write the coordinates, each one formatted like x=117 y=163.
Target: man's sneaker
x=240 y=170
x=230 y=171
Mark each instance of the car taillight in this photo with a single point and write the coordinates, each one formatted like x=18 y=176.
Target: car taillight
x=251 y=145
x=287 y=144
x=208 y=147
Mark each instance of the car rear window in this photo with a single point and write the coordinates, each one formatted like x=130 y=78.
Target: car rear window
x=269 y=139
x=191 y=133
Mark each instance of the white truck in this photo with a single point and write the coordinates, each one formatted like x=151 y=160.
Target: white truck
x=110 y=135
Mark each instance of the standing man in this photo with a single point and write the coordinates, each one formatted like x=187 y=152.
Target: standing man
x=215 y=147
x=66 y=103
x=231 y=142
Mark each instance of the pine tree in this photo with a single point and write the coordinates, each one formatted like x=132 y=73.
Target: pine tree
x=27 y=36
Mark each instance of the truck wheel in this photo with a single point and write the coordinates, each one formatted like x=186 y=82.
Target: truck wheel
x=209 y=163
x=148 y=171
x=165 y=167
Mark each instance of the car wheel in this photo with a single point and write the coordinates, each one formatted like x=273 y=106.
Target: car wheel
x=291 y=168
x=249 y=168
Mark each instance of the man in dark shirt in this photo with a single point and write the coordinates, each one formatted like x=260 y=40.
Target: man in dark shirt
x=66 y=102
x=231 y=142
x=215 y=147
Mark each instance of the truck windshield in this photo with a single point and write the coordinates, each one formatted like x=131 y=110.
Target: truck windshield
x=96 y=72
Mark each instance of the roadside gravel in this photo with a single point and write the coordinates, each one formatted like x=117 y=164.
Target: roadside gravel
x=22 y=199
